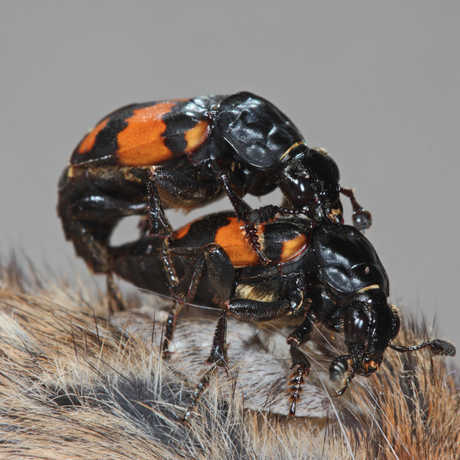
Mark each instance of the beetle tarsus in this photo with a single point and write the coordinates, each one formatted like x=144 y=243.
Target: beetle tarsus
x=300 y=362
x=301 y=367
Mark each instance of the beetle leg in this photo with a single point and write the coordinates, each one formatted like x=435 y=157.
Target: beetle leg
x=300 y=363
x=362 y=219
x=89 y=222
x=257 y=310
x=269 y=212
x=179 y=303
x=263 y=214
x=342 y=369
x=90 y=209
x=243 y=211
x=159 y=223
x=217 y=358
x=220 y=275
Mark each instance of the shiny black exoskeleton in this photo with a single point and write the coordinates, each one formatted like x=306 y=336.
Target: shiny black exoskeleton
x=328 y=273
x=187 y=153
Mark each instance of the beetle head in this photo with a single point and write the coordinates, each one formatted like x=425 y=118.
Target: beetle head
x=310 y=181
x=369 y=325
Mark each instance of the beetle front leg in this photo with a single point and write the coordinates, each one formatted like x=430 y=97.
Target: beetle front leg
x=300 y=363
x=342 y=369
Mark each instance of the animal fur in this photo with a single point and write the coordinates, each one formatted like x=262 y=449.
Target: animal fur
x=77 y=384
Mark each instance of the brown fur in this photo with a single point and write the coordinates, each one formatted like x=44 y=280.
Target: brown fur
x=75 y=385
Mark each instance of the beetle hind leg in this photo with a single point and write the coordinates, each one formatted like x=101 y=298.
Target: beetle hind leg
x=180 y=299
x=220 y=274
x=90 y=205
x=217 y=358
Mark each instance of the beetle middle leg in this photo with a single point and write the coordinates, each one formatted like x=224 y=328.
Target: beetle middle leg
x=342 y=369
x=158 y=225
x=252 y=310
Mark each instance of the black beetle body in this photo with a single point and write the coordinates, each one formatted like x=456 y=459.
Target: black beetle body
x=189 y=152
x=329 y=273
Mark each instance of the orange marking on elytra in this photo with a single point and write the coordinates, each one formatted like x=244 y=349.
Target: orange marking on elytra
x=178 y=234
x=195 y=136
x=292 y=248
x=232 y=238
x=88 y=141
x=141 y=142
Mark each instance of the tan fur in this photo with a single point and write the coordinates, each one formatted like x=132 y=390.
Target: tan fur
x=75 y=385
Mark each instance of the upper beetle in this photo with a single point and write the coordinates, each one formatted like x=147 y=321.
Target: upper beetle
x=187 y=153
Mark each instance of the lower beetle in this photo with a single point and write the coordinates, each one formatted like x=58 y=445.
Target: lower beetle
x=189 y=152
x=324 y=272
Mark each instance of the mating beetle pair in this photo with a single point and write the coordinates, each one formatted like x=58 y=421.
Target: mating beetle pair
x=328 y=273
x=185 y=154
x=188 y=153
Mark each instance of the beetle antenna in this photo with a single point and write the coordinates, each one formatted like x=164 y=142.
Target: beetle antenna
x=362 y=219
x=438 y=347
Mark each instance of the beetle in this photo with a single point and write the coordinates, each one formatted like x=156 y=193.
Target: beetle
x=325 y=273
x=188 y=153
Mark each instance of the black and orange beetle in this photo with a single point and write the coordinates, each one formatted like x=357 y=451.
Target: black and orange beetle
x=328 y=273
x=189 y=152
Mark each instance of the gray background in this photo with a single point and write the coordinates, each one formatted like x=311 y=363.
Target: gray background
x=376 y=83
